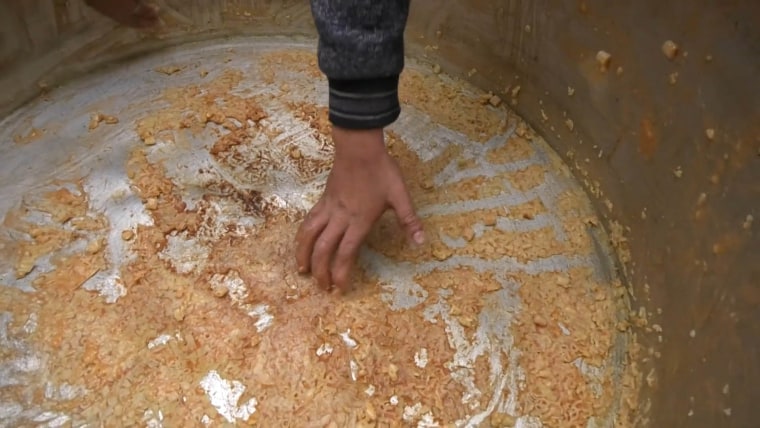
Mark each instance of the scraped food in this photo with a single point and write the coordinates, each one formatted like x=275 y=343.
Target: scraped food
x=183 y=306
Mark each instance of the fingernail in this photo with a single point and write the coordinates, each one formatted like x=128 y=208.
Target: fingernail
x=419 y=237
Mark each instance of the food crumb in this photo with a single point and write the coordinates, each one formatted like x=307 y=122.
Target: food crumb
x=468 y=234
x=678 y=172
x=748 y=222
x=295 y=153
x=93 y=247
x=603 y=58
x=710 y=133
x=490 y=219
x=219 y=290
x=502 y=420
x=708 y=58
x=619 y=71
x=727 y=411
x=673 y=78
x=442 y=253
x=494 y=100
x=151 y=204
x=725 y=389
x=127 y=235
x=436 y=68
x=670 y=49
x=516 y=91
x=563 y=281
x=97 y=118
x=693 y=333
x=168 y=70
x=33 y=134
x=539 y=321
x=570 y=124
x=393 y=372
x=570 y=91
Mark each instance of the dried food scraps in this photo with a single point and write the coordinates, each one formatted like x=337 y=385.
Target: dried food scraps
x=577 y=327
x=448 y=104
x=97 y=118
x=157 y=283
x=272 y=64
x=63 y=206
x=193 y=107
x=199 y=323
x=33 y=135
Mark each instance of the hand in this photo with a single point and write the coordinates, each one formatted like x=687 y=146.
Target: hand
x=132 y=13
x=364 y=182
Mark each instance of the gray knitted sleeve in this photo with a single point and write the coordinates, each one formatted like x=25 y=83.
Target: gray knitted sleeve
x=361 y=51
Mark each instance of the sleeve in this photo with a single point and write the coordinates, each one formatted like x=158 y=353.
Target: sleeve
x=361 y=51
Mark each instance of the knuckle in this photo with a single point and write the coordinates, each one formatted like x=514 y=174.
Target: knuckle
x=310 y=226
x=348 y=249
x=321 y=248
x=410 y=219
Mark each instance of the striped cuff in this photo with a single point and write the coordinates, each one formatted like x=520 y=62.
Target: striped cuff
x=364 y=104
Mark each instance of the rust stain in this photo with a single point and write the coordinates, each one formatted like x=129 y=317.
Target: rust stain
x=647 y=139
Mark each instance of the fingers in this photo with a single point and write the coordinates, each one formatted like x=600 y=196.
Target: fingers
x=324 y=250
x=307 y=235
x=401 y=202
x=145 y=15
x=348 y=251
x=133 y=13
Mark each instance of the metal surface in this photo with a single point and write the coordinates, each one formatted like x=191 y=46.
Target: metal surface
x=68 y=151
x=631 y=131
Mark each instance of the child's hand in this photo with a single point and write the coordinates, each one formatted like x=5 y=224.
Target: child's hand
x=133 y=13
x=365 y=181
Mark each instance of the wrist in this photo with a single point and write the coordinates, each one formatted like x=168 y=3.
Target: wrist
x=358 y=144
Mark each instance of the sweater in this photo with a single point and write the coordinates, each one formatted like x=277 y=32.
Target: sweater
x=361 y=51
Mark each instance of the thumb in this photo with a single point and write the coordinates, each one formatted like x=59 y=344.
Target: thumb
x=401 y=203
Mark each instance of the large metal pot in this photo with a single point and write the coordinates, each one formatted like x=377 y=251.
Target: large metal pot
x=671 y=139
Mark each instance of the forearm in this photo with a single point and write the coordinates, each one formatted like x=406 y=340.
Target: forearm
x=361 y=51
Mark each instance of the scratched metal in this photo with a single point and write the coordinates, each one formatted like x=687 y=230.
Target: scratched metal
x=67 y=151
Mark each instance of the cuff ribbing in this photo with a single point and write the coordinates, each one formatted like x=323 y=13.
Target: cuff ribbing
x=364 y=104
